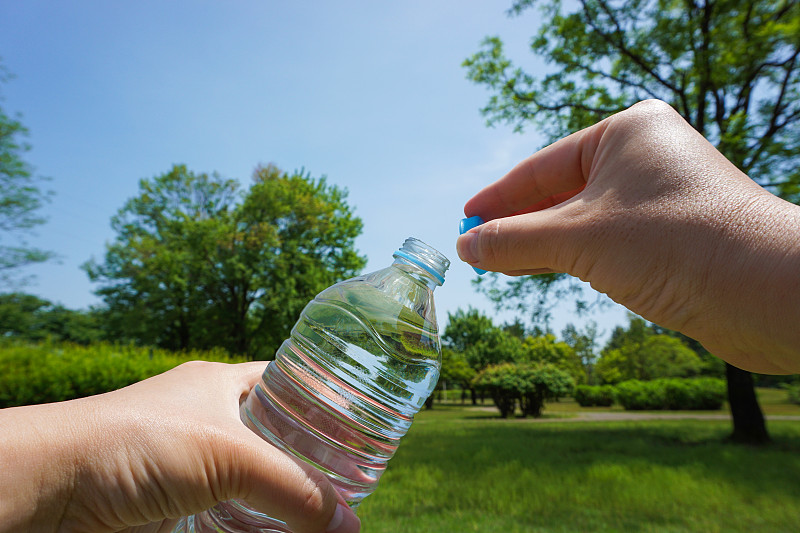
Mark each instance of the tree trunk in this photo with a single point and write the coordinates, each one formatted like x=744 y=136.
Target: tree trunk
x=429 y=401
x=748 y=420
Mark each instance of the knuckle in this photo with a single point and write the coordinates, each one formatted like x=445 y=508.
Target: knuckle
x=490 y=242
x=318 y=502
x=648 y=111
x=314 y=501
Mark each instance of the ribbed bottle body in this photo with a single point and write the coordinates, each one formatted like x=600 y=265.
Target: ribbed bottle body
x=344 y=387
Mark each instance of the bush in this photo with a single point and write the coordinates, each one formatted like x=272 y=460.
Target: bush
x=701 y=394
x=49 y=372
x=500 y=381
x=793 y=392
x=594 y=395
x=529 y=384
x=635 y=395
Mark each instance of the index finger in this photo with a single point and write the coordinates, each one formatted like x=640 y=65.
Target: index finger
x=548 y=177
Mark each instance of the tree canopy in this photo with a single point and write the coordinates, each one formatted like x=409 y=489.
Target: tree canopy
x=479 y=340
x=198 y=263
x=28 y=317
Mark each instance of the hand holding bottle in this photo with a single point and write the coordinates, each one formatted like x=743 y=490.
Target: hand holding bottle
x=650 y=213
x=138 y=458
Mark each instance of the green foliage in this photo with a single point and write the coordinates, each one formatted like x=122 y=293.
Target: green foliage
x=32 y=373
x=504 y=357
x=455 y=369
x=594 y=395
x=502 y=384
x=546 y=349
x=20 y=199
x=28 y=317
x=705 y=394
x=640 y=395
x=474 y=335
x=540 y=383
x=657 y=357
x=638 y=352
x=583 y=342
x=197 y=263
x=793 y=392
x=530 y=385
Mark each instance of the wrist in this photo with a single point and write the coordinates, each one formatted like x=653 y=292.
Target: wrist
x=755 y=288
x=37 y=468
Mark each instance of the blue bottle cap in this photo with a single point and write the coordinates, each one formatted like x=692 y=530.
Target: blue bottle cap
x=464 y=226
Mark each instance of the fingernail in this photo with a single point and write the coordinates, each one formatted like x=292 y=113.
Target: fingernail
x=465 y=247
x=344 y=521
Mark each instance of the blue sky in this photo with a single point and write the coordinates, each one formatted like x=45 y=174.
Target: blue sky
x=369 y=94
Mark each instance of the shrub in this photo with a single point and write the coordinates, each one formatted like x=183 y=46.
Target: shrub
x=635 y=395
x=793 y=392
x=529 y=384
x=705 y=394
x=594 y=395
x=540 y=383
x=500 y=381
x=51 y=372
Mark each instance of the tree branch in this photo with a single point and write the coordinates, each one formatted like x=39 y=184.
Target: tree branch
x=528 y=98
x=778 y=110
x=617 y=79
x=620 y=46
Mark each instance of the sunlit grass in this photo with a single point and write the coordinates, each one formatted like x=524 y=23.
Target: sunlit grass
x=464 y=469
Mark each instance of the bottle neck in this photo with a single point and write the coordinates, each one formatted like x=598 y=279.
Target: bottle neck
x=427 y=263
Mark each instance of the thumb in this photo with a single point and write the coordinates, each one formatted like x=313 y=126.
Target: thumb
x=530 y=243
x=291 y=490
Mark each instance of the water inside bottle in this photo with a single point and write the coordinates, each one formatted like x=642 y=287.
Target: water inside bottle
x=343 y=389
x=345 y=386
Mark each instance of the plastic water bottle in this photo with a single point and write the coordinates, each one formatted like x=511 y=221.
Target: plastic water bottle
x=343 y=389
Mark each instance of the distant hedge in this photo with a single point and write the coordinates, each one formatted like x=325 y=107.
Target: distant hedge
x=595 y=395
x=33 y=373
x=675 y=394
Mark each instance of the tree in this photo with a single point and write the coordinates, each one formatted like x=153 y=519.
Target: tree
x=642 y=351
x=197 y=263
x=476 y=339
x=20 y=200
x=729 y=67
x=659 y=356
x=583 y=342
x=455 y=369
x=28 y=317
x=481 y=342
x=545 y=349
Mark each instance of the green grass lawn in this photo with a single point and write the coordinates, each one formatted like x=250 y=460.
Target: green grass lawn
x=463 y=469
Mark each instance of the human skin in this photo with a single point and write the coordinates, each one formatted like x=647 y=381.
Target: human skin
x=647 y=211
x=138 y=458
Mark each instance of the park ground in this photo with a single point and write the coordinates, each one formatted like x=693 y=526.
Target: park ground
x=462 y=468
